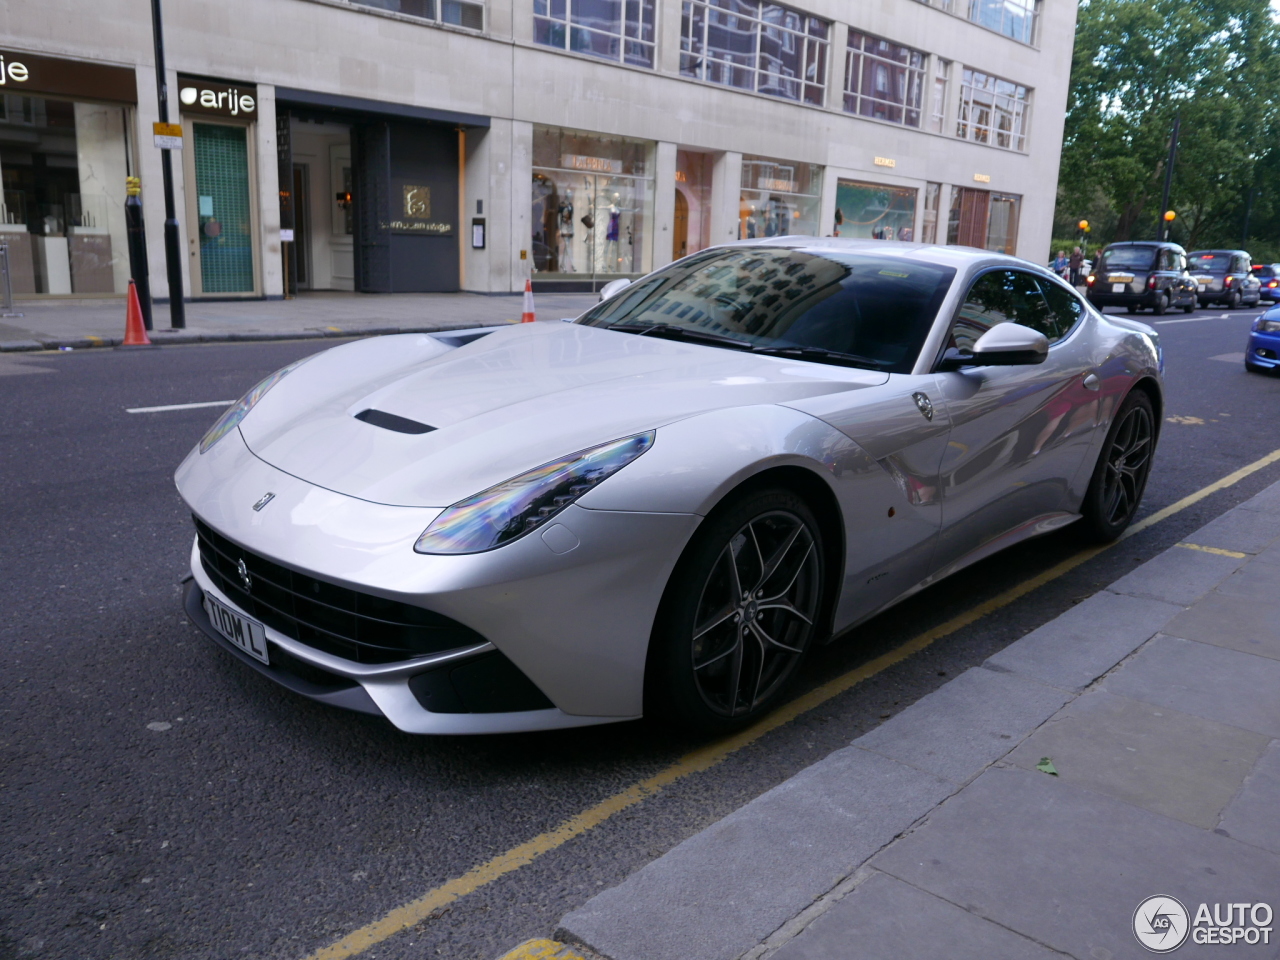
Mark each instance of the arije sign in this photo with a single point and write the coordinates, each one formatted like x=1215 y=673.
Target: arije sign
x=219 y=99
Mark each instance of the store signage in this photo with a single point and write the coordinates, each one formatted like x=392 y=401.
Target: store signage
x=573 y=161
x=415 y=213
x=885 y=162
x=218 y=99
x=982 y=177
x=35 y=74
x=779 y=186
x=168 y=136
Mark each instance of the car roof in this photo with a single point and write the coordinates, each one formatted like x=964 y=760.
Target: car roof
x=1145 y=243
x=1243 y=253
x=951 y=256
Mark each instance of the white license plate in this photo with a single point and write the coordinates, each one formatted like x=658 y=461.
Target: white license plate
x=1119 y=287
x=249 y=635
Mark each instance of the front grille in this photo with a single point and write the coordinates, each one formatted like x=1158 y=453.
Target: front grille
x=346 y=623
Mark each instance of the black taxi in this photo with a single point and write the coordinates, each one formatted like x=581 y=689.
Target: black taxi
x=1142 y=275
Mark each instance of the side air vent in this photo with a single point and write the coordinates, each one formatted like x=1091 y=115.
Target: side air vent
x=389 y=421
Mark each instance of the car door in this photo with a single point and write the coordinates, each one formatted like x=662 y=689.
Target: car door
x=1018 y=433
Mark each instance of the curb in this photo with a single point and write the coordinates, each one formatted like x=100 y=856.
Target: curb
x=164 y=337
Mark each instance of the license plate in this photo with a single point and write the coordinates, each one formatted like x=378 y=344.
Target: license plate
x=1122 y=277
x=249 y=635
x=1119 y=287
x=1204 y=280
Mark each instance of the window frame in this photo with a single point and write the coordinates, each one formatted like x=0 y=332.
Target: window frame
x=914 y=70
x=437 y=17
x=629 y=35
x=967 y=126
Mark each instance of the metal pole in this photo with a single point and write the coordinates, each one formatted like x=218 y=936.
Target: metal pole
x=1162 y=225
x=172 y=246
x=135 y=231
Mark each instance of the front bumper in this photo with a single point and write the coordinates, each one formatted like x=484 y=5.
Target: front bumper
x=1264 y=350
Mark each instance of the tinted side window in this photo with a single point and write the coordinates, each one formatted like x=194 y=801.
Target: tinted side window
x=1067 y=309
x=1169 y=260
x=1002 y=296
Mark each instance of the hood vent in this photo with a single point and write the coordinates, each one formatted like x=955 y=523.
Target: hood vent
x=389 y=421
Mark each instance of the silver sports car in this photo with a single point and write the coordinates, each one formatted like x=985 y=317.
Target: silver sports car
x=662 y=506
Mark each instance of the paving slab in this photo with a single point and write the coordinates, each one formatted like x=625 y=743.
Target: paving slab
x=726 y=889
x=966 y=724
x=1208 y=681
x=1252 y=816
x=1165 y=761
x=1177 y=576
x=1248 y=531
x=1074 y=649
x=1259 y=579
x=1267 y=501
x=1067 y=866
x=1235 y=622
x=891 y=920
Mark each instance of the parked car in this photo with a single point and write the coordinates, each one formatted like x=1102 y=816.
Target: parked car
x=1268 y=275
x=1142 y=275
x=1225 y=277
x=665 y=506
x=1264 y=343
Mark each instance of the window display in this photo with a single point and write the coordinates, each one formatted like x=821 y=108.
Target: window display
x=693 y=204
x=592 y=204
x=64 y=165
x=875 y=211
x=779 y=198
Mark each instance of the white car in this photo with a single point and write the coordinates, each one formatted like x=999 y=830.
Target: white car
x=663 y=506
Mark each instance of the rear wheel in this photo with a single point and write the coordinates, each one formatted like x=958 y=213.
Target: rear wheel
x=1162 y=304
x=1233 y=300
x=1131 y=309
x=1121 y=473
x=740 y=612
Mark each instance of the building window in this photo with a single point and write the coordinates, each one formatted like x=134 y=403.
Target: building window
x=618 y=30
x=875 y=211
x=938 y=105
x=992 y=111
x=756 y=46
x=1013 y=18
x=779 y=198
x=883 y=80
x=456 y=13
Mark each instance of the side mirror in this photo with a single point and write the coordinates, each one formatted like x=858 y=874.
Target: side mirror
x=1004 y=345
x=614 y=287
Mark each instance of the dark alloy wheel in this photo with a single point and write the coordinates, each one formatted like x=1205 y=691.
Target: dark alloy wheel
x=1121 y=473
x=741 y=610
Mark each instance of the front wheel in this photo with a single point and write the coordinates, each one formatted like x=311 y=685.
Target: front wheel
x=739 y=614
x=1121 y=473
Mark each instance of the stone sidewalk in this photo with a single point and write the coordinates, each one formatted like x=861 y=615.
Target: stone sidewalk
x=1023 y=811
x=54 y=324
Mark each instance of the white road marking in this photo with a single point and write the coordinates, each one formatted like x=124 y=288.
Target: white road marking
x=1224 y=316
x=180 y=406
x=1230 y=357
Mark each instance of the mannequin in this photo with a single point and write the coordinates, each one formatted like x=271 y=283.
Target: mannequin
x=611 y=236
x=565 y=213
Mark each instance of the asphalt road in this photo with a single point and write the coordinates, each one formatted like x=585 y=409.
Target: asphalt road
x=159 y=800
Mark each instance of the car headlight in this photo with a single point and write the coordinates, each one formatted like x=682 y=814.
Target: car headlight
x=1269 y=326
x=511 y=509
x=238 y=410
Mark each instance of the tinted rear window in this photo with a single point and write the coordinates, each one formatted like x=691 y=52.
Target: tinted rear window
x=1210 y=262
x=1128 y=258
x=880 y=308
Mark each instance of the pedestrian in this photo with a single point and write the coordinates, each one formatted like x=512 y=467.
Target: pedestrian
x=1060 y=264
x=1076 y=265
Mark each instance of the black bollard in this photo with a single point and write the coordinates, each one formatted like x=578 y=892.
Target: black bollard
x=137 y=246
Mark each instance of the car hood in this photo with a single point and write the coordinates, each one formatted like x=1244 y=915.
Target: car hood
x=501 y=405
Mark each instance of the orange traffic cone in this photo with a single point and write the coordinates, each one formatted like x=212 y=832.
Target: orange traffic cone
x=135 y=331
x=527 y=316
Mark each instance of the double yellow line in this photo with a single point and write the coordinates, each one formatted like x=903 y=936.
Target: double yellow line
x=415 y=911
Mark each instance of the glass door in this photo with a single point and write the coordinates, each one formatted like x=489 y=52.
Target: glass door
x=221 y=221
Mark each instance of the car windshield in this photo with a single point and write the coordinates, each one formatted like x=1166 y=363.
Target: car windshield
x=855 y=309
x=1209 y=262
x=1128 y=258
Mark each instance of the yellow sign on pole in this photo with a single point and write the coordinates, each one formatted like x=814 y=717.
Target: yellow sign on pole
x=168 y=136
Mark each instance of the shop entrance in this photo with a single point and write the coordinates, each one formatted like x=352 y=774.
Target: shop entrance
x=221 y=246
x=980 y=218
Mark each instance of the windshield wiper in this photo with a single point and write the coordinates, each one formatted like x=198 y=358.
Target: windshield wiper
x=671 y=331
x=822 y=355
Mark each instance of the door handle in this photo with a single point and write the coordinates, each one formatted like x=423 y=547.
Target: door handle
x=1091 y=381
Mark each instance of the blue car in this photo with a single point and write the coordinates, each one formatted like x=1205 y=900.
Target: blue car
x=1264 y=343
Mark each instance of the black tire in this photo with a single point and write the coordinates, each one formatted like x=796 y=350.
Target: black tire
x=1161 y=306
x=1120 y=476
x=1233 y=300
x=1131 y=309
x=1190 y=307
x=746 y=601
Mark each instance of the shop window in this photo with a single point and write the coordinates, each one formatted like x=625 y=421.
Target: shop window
x=932 y=204
x=751 y=45
x=64 y=165
x=1002 y=222
x=993 y=111
x=883 y=80
x=458 y=13
x=592 y=205
x=778 y=198
x=692 y=223
x=1013 y=18
x=938 y=104
x=875 y=211
x=618 y=30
